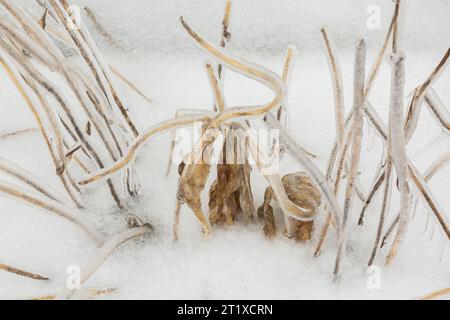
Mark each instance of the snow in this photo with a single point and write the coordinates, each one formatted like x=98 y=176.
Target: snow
x=236 y=262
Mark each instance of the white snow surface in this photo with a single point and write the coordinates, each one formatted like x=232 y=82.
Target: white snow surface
x=236 y=262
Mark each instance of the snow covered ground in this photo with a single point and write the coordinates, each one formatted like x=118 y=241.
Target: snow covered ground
x=236 y=262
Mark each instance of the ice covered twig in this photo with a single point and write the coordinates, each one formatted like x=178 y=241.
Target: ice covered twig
x=56 y=155
x=130 y=84
x=141 y=140
x=357 y=125
x=416 y=178
x=337 y=179
x=288 y=67
x=399 y=150
x=436 y=166
x=311 y=169
x=415 y=107
x=248 y=69
x=29 y=179
x=379 y=59
x=219 y=99
x=258 y=73
x=338 y=86
x=94 y=60
x=438 y=110
x=102 y=253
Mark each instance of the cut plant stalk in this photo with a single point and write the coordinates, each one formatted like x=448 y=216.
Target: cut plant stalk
x=398 y=151
x=358 y=103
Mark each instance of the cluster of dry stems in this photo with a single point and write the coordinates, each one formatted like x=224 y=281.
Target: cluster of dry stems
x=92 y=137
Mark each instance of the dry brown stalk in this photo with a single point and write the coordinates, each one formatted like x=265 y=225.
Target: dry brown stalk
x=17 y=133
x=398 y=151
x=22 y=273
x=437 y=294
x=130 y=84
x=101 y=29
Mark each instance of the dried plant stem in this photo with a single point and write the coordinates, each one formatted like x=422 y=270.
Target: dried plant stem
x=376 y=66
x=29 y=179
x=219 y=99
x=288 y=207
x=105 y=34
x=90 y=53
x=130 y=84
x=437 y=294
x=17 y=133
x=337 y=180
x=288 y=67
x=384 y=206
x=390 y=230
x=311 y=169
x=436 y=166
x=429 y=198
x=135 y=147
x=22 y=273
x=225 y=37
x=83 y=294
x=53 y=90
x=338 y=87
x=102 y=253
x=438 y=109
x=50 y=206
x=376 y=186
x=58 y=163
x=248 y=69
x=263 y=75
x=358 y=105
x=416 y=178
x=415 y=106
x=398 y=150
